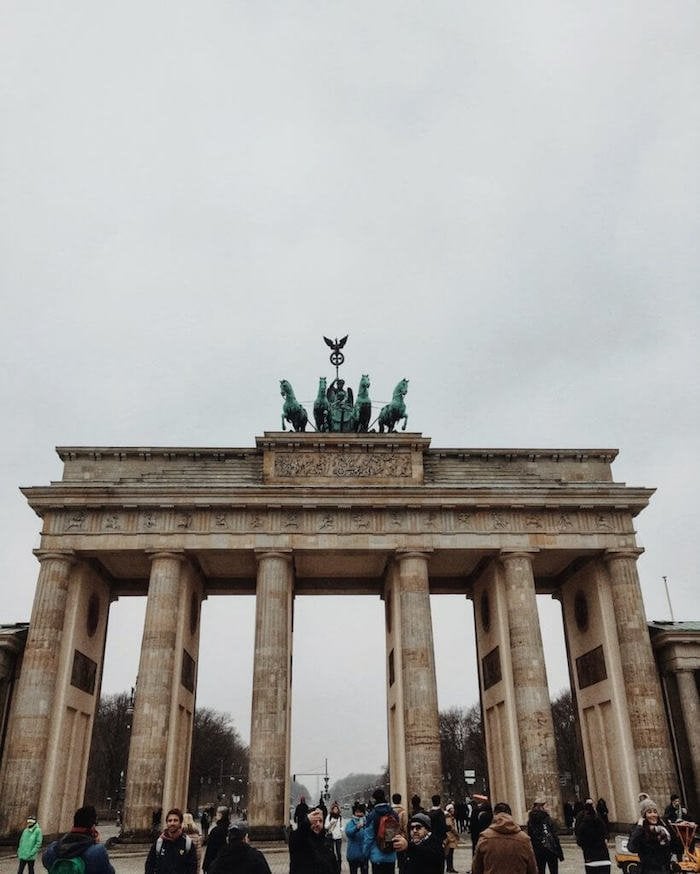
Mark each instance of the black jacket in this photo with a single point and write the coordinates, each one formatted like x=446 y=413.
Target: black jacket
x=216 y=840
x=240 y=858
x=310 y=853
x=173 y=857
x=427 y=857
x=590 y=836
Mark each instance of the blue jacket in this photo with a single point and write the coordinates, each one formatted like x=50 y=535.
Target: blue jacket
x=355 y=833
x=79 y=844
x=372 y=851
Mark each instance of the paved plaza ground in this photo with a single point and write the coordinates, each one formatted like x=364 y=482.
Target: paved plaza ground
x=278 y=859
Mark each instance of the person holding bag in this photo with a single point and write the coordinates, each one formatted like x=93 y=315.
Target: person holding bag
x=545 y=843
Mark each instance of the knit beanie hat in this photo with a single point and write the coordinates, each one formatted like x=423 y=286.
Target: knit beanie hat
x=647 y=804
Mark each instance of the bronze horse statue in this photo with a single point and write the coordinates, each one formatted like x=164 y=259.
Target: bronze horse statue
x=292 y=410
x=362 y=411
x=322 y=409
x=394 y=411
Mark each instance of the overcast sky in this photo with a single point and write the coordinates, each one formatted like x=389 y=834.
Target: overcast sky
x=498 y=201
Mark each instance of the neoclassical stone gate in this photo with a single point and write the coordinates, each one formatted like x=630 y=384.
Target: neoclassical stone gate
x=305 y=514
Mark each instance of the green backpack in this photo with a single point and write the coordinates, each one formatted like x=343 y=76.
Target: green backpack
x=74 y=865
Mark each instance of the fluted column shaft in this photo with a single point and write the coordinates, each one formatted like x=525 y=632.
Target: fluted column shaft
x=26 y=749
x=642 y=687
x=419 y=687
x=152 y=704
x=270 y=718
x=531 y=693
x=690 y=708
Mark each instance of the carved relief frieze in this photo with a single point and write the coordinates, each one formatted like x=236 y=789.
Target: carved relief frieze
x=326 y=522
x=339 y=520
x=350 y=465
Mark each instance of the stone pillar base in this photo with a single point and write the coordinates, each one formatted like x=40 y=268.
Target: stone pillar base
x=265 y=833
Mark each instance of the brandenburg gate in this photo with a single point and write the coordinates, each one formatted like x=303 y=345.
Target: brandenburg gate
x=305 y=514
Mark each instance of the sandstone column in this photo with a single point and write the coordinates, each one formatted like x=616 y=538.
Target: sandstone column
x=690 y=708
x=531 y=693
x=642 y=687
x=270 y=720
x=419 y=689
x=152 y=705
x=30 y=718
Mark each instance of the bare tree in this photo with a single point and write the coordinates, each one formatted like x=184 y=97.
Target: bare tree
x=462 y=748
x=567 y=738
x=219 y=764
x=109 y=752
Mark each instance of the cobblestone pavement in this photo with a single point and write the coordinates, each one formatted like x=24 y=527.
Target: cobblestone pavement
x=278 y=859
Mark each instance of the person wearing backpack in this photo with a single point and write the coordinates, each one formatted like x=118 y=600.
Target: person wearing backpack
x=381 y=827
x=173 y=852
x=78 y=851
x=29 y=845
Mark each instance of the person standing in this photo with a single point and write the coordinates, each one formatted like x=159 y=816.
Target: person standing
x=503 y=846
x=216 y=839
x=675 y=812
x=334 y=827
x=189 y=827
x=173 y=852
x=544 y=838
x=29 y=845
x=480 y=818
x=400 y=811
x=591 y=836
x=82 y=840
x=383 y=859
x=238 y=857
x=437 y=819
x=354 y=832
x=651 y=841
x=451 y=840
x=602 y=811
x=204 y=822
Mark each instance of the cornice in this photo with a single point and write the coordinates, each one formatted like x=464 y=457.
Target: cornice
x=316 y=440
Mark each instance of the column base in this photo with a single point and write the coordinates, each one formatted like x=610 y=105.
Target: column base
x=267 y=833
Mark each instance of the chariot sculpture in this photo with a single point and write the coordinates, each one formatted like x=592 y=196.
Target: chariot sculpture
x=336 y=409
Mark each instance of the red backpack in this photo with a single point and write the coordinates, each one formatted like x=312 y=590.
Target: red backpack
x=388 y=827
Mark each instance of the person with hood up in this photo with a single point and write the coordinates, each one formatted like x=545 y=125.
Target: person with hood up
x=545 y=842
x=651 y=841
x=422 y=852
x=503 y=847
x=238 y=857
x=29 y=845
x=82 y=840
x=173 y=852
x=591 y=836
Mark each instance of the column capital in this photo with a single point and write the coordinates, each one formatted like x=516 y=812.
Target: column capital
x=403 y=553
x=529 y=554
x=284 y=553
x=622 y=552
x=154 y=554
x=66 y=555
